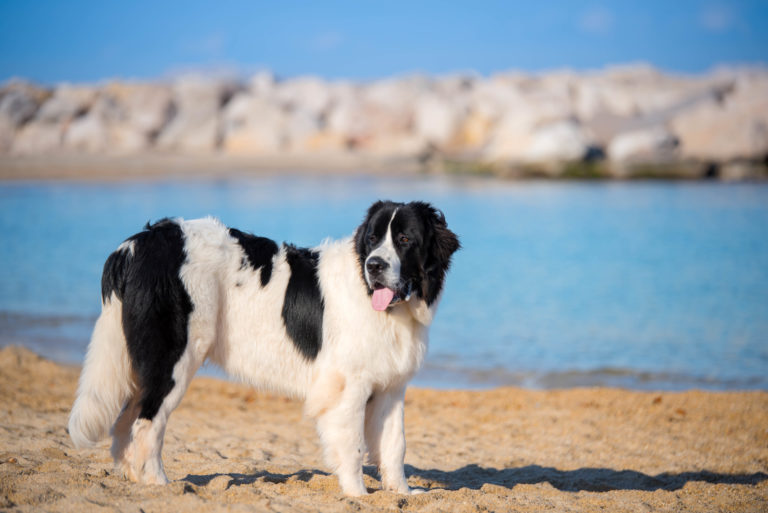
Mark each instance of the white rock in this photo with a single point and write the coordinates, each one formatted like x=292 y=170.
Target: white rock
x=66 y=103
x=395 y=94
x=7 y=134
x=308 y=94
x=436 y=119
x=509 y=117
x=122 y=119
x=455 y=84
x=301 y=127
x=347 y=118
x=558 y=142
x=37 y=138
x=495 y=97
x=195 y=126
x=510 y=138
x=651 y=144
x=87 y=134
x=145 y=108
x=253 y=126
x=734 y=128
x=262 y=84
x=19 y=101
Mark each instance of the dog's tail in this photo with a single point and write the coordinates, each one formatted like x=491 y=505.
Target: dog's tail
x=106 y=380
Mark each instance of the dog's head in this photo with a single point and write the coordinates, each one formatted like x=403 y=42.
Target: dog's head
x=404 y=249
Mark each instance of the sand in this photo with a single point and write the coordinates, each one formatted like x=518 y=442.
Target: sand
x=165 y=166
x=229 y=448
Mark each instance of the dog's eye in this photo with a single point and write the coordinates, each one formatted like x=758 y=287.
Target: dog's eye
x=372 y=239
x=404 y=239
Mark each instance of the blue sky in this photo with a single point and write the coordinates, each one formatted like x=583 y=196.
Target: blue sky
x=84 y=40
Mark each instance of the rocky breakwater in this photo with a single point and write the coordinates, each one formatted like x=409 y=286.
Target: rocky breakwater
x=620 y=122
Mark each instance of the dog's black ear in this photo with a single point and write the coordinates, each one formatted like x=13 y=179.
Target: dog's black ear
x=442 y=243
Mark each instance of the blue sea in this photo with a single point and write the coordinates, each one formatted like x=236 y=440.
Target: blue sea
x=646 y=285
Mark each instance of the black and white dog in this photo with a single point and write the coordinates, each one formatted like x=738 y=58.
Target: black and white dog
x=342 y=326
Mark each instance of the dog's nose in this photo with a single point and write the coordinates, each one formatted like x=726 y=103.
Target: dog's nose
x=376 y=265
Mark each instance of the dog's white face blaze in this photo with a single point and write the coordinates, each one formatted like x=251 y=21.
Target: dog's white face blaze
x=386 y=251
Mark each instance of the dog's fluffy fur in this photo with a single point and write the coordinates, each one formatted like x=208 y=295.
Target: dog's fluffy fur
x=342 y=326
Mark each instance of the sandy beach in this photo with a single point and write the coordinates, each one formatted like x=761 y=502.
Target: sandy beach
x=160 y=166
x=231 y=448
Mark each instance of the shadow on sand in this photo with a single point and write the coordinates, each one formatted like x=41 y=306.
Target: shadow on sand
x=474 y=477
x=584 y=479
x=247 y=479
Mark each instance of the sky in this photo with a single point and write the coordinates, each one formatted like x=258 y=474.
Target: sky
x=86 y=40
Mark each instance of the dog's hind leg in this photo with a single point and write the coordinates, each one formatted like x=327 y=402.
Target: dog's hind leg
x=121 y=437
x=144 y=454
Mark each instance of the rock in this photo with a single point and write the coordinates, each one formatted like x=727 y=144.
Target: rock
x=45 y=132
x=262 y=84
x=388 y=105
x=124 y=118
x=740 y=170
x=398 y=93
x=325 y=142
x=562 y=141
x=435 y=119
x=372 y=118
x=510 y=139
x=307 y=94
x=635 y=112
x=66 y=103
x=90 y=132
x=631 y=91
x=301 y=126
x=144 y=108
x=399 y=145
x=456 y=84
x=87 y=134
x=494 y=98
x=19 y=101
x=347 y=118
x=656 y=144
x=195 y=126
x=474 y=131
x=734 y=126
x=37 y=137
x=7 y=133
x=253 y=126
x=533 y=113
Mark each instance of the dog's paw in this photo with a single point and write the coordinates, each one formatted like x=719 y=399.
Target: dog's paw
x=417 y=491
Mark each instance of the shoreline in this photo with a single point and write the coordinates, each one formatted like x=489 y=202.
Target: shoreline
x=159 y=166
x=76 y=167
x=229 y=446
x=38 y=334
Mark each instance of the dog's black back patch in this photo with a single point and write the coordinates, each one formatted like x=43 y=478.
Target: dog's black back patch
x=303 y=305
x=113 y=276
x=156 y=307
x=258 y=250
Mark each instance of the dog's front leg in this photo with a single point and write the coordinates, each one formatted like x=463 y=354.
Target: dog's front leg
x=341 y=430
x=386 y=437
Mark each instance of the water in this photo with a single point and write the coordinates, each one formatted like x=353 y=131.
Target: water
x=644 y=285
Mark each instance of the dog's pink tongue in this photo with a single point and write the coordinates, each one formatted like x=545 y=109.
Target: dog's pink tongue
x=381 y=299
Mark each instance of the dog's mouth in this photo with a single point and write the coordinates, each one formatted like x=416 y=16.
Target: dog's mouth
x=383 y=297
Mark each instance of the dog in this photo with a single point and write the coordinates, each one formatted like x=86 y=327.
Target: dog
x=342 y=326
